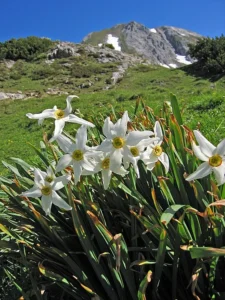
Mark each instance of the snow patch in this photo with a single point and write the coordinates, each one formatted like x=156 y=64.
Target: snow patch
x=153 y=30
x=114 y=41
x=100 y=45
x=182 y=59
x=183 y=34
x=173 y=66
x=165 y=66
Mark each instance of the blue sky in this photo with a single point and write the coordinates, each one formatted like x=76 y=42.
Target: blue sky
x=71 y=20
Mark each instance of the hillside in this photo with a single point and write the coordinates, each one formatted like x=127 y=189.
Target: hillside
x=101 y=77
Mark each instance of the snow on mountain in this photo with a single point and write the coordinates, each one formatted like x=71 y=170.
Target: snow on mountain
x=182 y=59
x=166 y=45
x=114 y=41
x=153 y=30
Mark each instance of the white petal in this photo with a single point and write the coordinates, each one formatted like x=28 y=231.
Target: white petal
x=81 y=137
x=198 y=153
x=203 y=170
x=106 y=146
x=77 y=168
x=46 y=203
x=220 y=173
x=39 y=177
x=158 y=130
x=47 y=113
x=68 y=109
x=64 y=162
x=121 y=125
x=64 y=142
x=57 y=200
x=150 y=166
x=116 y=159
x=77 y=120
x=107 y=127
x=165 y=161
x=87 y=165
x=220 y=149
x=60 y=182
x=206 y=147
x=145 y=143
x=59 y=125
x=106 y=177
x=34 y=192
x=135 y=137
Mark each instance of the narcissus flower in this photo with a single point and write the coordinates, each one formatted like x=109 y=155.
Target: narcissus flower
x=154 y=152
x=78 y=155
x=45 y=186
x=117 y=139
x=213 y=157
x=132 y=154
x=60 y=116
x=102 y=164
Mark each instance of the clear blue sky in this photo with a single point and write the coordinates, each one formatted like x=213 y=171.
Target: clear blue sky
x=71 y=20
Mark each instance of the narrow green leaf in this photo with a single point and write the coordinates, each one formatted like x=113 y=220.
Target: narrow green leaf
x=203 y=252
x=143 y=286
x=169 y=213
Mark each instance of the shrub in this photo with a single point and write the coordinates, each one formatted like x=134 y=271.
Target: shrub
x=24 y=48
x=210 y=54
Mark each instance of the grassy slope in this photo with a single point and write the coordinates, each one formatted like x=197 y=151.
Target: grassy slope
x=200 y=100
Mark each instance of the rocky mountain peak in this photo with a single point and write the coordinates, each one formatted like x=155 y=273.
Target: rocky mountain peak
x=165 y=45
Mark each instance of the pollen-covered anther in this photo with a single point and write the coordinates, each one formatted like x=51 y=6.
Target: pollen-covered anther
x=77 y=155
x=46 y=190
x=118 y=142
x=215 y=160
x=134 y=151
x=59 y=114
x=49 y=179
x=105 y=163
x=157 y=150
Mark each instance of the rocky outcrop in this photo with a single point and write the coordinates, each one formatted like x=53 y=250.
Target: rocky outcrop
x=166 y=45
x=13 y=96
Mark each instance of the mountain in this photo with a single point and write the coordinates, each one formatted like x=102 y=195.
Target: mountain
x=166 y=45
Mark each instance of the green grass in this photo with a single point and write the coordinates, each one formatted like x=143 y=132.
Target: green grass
x=202 y=103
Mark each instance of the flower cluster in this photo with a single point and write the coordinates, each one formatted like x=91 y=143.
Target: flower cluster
x=120 y=149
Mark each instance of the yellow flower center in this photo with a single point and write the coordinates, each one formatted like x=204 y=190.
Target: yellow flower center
x=77 y=155
x=215 y=160
x=157 y=150
x=134 y=151
x=105 y=163
x=46 y=190
x=118 y=142
x=49 y=179
x=59 y=114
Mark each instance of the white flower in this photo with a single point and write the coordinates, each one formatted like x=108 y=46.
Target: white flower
x=45 y=186
x=132 y=154
x=78 y=155
x=155 y=152
x=213 y=157
x=60 y=116
x=117 y=140
x=102 y=163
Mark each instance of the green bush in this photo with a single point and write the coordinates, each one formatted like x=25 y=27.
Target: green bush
x=210 y=55
x=24 y=48
x=41 y=72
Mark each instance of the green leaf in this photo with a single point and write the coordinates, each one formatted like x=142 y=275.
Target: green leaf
x=169 y=213
x=203 y=252
x=176 y=109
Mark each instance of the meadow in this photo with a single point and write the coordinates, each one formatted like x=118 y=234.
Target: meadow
x=202 y=103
